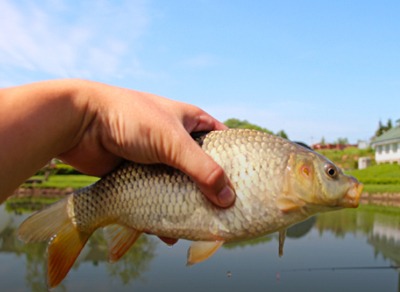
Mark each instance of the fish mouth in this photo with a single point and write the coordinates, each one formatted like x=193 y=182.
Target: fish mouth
x=352 y=198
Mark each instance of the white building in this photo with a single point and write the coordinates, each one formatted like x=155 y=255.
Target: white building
x=387 y=146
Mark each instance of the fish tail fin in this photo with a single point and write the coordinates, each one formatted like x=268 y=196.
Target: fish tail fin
x=54 y=224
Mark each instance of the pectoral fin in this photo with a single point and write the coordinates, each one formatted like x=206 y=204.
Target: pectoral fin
x=288 y=204
x=201 y=250
x=282 y=237
x=120 y=239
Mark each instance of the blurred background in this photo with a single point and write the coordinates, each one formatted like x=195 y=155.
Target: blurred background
x=315 y=69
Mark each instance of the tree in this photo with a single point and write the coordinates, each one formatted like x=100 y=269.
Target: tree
x=342 y=141
x=383 y=128
x=282 y=134
x=244 y=124
x=379 y=131
x=389 y=125
x=238 y=124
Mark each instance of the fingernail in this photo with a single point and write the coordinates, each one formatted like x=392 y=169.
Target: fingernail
x=226 y=197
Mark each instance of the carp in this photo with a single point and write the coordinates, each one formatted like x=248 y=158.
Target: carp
x=277 y=183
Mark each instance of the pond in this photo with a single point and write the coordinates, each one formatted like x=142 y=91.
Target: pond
x=347 y=250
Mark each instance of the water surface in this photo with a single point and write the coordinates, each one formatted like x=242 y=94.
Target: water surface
x=348 y=250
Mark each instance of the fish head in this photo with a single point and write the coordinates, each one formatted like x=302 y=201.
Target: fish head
x=319 y=184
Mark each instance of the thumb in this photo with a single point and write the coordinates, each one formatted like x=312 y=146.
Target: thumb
x=205 y=172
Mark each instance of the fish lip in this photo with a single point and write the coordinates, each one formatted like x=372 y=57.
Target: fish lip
x=352 y=198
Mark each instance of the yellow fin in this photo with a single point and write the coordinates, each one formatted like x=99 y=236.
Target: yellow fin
x=288 y=204
x=62 y=251
x=201 y=250
x=120 y=239
x=65 y=241
x=44 y=224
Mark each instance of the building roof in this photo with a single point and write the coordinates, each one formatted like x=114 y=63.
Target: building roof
x=392 y=135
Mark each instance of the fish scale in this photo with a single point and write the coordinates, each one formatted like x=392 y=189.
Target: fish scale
x=185 y=205
x=277 y=183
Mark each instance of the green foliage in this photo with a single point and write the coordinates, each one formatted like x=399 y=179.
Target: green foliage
x=378 y=172
x=383 y=128
x=238 y=124
x=282 y=134
x=381 y=188
x=382 y=178
x=29 y=204
x=243 y=124
x=74 y=181
x=342 y=141
x=65 y=169
x=348 y=158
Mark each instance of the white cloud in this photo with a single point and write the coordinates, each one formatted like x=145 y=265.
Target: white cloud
x=88 y=39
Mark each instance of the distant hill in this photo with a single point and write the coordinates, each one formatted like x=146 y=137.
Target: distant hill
x=244 y=124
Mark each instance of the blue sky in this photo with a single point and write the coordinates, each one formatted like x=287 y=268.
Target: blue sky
x=312 y=68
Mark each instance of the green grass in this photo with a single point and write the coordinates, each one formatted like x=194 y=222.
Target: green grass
x=381 y=188
x=380 y=171
x=382 y=178
x=65 y=181
x=347 y=158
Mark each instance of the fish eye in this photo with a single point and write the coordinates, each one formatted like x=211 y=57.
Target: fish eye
x=331 y=171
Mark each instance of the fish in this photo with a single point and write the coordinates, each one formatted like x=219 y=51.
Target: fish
x=277 y=183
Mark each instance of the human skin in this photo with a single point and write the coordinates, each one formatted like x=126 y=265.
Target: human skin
x=94 y=126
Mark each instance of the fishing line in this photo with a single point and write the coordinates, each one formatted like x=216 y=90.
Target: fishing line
x=342 y=268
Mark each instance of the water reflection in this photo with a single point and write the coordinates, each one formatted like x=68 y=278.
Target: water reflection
x=131 y=266
x=369 y=228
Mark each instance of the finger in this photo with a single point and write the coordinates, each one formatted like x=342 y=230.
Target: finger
x=95 y=165
x=198 y=120
x=205 y=172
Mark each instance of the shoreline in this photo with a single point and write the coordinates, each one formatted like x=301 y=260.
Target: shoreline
x=41 y=192
x=383 y=199
x=58 y=192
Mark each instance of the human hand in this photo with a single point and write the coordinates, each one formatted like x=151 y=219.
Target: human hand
x=145 y=128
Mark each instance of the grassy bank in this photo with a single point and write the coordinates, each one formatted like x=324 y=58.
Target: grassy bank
x=376 y=179
x=382 y=178
x=348 y=158
x=73 y=181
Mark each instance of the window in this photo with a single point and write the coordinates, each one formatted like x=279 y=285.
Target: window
x=387 y=148
x=394 y=147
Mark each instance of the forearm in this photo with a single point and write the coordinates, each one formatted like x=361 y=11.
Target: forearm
x=38 y=122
